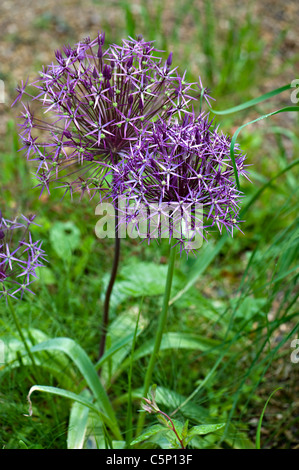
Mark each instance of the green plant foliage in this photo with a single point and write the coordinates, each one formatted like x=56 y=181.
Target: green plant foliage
x=233 y=309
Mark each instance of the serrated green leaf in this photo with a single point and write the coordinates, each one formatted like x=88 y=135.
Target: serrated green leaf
x=204 y=429
x=155 y=429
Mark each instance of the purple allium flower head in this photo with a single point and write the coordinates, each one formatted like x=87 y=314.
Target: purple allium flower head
x=97 y=102
x=19 y=256
x=176 y=169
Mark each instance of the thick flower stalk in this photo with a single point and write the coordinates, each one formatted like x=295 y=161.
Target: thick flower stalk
x=180 y=176
x=19 y=256
x=97 y=102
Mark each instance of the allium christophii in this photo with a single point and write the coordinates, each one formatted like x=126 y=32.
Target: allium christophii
x=174 y=170
x=97 y=102
x=19 y=256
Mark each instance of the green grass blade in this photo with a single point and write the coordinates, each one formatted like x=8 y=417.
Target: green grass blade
x=130 y=20
x=207 y=255
x=114 y=349
x=78 y=423
x=253 y=102
x=234 y=138
x=266 y=185
x=258 y=432
x=177 y=340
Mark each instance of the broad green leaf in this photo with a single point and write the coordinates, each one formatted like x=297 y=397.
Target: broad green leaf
x=173 y=340
x=151 y=431
x=204 y=429
x=249 y=308
x=65 y=238
x=78 y=423
x=185 y=429
x=46 y=275
x=13 y=345
x=140 y=279
x=237 y=439
x=62 y=393
x=22 y=444
x=165 y=440
x=162 y=435
x=171 y=436
x=15 y=354
x=87 y=369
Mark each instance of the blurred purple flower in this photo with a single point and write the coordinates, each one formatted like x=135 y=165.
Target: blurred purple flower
x=97 y=103
x=19 y=256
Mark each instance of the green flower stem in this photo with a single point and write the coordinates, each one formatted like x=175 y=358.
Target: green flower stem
x=159 y=333
x=23 y=339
